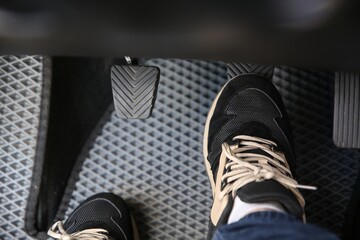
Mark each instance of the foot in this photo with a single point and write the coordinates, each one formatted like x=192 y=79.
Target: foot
x=102 y=216
x=248 y=149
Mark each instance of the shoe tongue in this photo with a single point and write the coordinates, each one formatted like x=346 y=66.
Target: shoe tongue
x=255 y=129
x=268 y=191
x=237 y=143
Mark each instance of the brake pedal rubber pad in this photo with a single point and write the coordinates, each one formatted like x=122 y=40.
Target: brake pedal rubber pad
x=238 y=69
x=134 y=90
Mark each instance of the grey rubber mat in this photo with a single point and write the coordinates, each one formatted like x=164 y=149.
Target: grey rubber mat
x=20 y=88
x=157 y=165
x=309 y=100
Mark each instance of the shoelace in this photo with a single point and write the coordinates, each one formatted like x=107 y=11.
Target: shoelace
x=243 y=167
x=57 y=231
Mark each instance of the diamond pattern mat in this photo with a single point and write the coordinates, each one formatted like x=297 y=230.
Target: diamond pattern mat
x=156 y=164
x=20 y=90
x=309 y=98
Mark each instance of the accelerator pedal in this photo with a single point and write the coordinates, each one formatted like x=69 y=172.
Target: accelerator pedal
x=346 y=130
x=237 y=69
x=134 y=90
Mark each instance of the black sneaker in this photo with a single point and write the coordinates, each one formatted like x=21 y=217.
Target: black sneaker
x=248 y=149
x=102 y=216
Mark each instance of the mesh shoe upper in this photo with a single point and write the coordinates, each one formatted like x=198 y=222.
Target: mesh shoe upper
x=248 y=134
x=249 y=105
x=104 y=211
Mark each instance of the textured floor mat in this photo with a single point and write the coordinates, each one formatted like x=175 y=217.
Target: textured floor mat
x=20 y=88
x=309 y=100
x=157 y=166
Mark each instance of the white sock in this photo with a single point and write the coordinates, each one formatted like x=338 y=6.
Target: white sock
x=241 y=209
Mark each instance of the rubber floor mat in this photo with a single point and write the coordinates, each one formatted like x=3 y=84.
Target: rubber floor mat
x=157 y=164
x=20 y=97
x=309 y=98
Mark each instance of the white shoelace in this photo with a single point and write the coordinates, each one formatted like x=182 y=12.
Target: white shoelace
x=243 y=167
x=57 y=231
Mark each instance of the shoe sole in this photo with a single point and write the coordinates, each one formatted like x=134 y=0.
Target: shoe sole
x=206 y=135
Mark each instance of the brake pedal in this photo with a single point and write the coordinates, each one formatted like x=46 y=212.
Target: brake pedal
x=237 y=69
x=134 y=90
x=346 y=128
